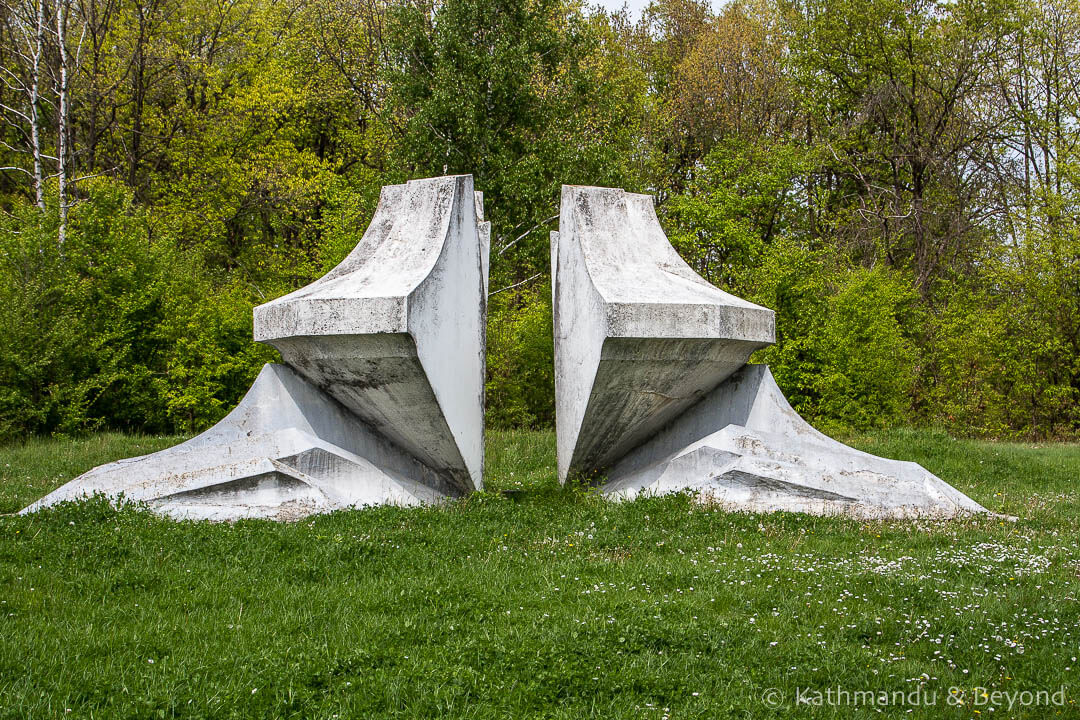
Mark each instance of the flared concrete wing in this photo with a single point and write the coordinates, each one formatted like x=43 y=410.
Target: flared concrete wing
x=743 y=446
x=286 y=451
x=639 y=336
x=396 y=331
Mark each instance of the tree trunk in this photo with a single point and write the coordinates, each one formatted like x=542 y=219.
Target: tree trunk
x=64 y=113
x=35 y=119
x=138 y=94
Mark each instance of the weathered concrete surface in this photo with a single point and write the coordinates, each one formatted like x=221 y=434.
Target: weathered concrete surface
x=287 y=451
x=743 y=446
x=653 y=390
x=396 y=331
x=639 y=336
x=382 y=401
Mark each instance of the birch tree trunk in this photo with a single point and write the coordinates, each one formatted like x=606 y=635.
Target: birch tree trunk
x=63 y=113
x=35 y=118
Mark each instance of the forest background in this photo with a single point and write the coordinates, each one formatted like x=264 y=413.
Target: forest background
x=898 y=179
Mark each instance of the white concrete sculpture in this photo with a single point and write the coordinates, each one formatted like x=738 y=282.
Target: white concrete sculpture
x=382 y=400
x=653 y=391
x=395 y=333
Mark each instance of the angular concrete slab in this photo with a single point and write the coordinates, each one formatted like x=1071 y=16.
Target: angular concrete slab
x=383 y=397
x=285 y=452
x=396 y=331
x=639 y=336
x=653 y=391
x=743 y=446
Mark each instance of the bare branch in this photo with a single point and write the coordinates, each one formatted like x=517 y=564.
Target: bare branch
x=525 y=234
x=94 y=175
x=12 y=110
x=518 y=284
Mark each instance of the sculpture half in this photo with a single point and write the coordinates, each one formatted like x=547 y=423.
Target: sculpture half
x=653 y=389
x=395 y=333
x=381 y=398
x=639 y=336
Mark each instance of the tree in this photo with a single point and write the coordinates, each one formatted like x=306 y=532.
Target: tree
x=896 y=85
x=22 y=69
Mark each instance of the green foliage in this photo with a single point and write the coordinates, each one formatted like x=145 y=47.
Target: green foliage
x=115 y=329
x=348 y=209
x=1002 y=357
x=740 y=203
x=869 y=362
x=844 y=355
x=520 y=390
x=212 y=358
x=525 y=96
x=466 y=84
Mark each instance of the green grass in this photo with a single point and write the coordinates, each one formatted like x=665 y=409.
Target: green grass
x=547 y=602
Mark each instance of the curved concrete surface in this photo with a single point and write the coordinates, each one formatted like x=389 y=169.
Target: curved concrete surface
x=639 y=336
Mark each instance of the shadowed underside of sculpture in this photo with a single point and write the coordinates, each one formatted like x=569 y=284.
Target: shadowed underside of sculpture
x=382 y=399
x=653 y=390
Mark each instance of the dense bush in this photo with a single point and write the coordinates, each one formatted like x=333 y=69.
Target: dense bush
x=116 y=328
x=1003 y=354
x=843 y=354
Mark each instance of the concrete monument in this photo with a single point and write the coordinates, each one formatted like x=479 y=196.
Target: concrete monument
x=380 y=399
x=653 y=390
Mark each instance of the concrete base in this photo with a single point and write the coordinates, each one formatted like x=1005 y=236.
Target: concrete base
x=744 y=447
x=287 y=451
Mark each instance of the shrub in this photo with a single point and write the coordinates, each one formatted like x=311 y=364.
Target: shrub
x=118 y=328
x=844 y=355
x=521 y=359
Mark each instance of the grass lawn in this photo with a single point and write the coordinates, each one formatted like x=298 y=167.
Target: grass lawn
x=548 y=602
